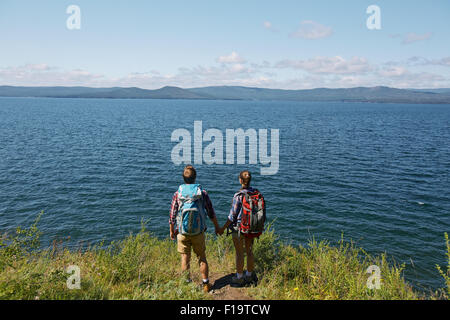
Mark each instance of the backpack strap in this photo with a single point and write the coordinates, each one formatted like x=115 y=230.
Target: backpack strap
x=231 y=227
x=197 y=193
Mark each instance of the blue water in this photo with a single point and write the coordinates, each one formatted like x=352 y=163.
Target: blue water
x=378 y=173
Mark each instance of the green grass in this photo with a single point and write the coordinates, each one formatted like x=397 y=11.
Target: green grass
x=142 y=266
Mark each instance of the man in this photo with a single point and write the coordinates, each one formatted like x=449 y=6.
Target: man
x=187 y=223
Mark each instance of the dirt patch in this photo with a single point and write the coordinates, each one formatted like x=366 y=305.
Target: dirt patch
x=222 y=290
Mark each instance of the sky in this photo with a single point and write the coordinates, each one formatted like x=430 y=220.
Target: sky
x=272 y=44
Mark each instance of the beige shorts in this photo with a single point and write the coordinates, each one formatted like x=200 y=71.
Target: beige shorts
x=196 y=242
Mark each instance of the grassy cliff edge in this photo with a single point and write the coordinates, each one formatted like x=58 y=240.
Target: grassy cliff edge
x=144 y=267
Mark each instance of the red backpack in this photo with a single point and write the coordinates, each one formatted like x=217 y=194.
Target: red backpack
x=253 y=212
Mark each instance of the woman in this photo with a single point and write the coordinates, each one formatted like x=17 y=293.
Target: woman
x=241 y=239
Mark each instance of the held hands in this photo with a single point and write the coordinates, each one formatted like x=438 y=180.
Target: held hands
x=219 y=231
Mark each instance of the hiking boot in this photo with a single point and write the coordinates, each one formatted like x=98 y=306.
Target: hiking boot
x=206 y=287
x=252 y=279
x=237 y=282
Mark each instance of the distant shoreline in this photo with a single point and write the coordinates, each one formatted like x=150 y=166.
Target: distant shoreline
x=237 y=93
x=184 y=99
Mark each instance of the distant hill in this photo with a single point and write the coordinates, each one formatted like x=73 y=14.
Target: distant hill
x=110 y=93
x=137 y=93
x=359 y=94
x=440 y=90
x=10 y=91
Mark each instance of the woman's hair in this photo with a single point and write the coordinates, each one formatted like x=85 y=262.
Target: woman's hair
x=189 y=174
x=245 y=176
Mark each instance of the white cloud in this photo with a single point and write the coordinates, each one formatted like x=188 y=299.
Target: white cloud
x=267 y=24
x=442 y=62
x=231 y=58
x=393 y=72
x=328 y=65
x=420 y=61
x=331 y=72
x=417 y=61
x=414 y=37
x=45 y=75
x=39 y=67
x=400 y=77
x=312 y=30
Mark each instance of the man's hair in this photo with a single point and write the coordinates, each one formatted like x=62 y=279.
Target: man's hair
x=189 y=174
x=245 y=177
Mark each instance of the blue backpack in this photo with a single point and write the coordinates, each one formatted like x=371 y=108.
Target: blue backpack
x=191 y=217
